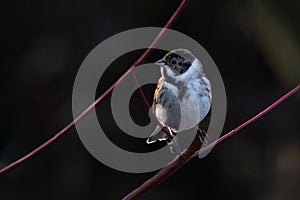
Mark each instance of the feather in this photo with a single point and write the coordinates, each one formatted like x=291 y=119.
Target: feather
x=157 y=134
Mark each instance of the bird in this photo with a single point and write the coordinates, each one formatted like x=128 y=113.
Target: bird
x=183 y=95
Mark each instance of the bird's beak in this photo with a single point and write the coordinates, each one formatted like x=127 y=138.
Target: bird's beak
x=160 y=62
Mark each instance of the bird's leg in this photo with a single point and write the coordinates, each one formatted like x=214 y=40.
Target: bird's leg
x=173 y=144
x=203 y=136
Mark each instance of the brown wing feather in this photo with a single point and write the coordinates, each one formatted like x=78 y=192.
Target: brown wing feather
x=156 y=91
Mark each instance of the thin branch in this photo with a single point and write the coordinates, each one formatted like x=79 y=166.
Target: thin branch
x=192 y=152
x=165 y=172
x=99 y=99
x=143 y=98
x=250 y=121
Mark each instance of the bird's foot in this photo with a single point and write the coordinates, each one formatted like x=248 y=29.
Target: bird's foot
x=174 y=146
x=203 y=136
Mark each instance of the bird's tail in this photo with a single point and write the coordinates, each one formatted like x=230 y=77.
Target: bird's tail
x=157 y=135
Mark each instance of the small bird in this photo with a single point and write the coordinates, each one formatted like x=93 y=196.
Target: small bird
x=182 y=98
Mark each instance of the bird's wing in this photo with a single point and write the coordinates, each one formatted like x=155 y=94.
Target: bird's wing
x=157 y=135
x=166 y=106
x=159 y=84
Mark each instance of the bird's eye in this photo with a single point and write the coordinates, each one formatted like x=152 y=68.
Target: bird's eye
x=174 y=62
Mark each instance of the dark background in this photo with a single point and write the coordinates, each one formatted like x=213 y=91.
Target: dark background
x=255 y=45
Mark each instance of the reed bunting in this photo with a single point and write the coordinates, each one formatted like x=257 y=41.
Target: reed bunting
x=183 y=96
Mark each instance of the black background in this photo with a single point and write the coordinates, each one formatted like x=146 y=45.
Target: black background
x=255 y=45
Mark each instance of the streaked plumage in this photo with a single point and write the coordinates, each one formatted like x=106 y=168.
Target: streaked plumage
x=182 y=98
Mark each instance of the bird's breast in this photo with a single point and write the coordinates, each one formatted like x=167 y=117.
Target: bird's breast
x=182 y=105
x=190 y=108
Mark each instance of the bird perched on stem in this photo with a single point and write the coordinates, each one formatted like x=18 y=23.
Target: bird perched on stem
x=183 y=96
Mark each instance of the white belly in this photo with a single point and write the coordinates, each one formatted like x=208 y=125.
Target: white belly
x=190 y=112
x=194 y=108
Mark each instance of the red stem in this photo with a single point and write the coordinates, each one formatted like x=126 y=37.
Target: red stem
x=191 y=152
x=99 y=99
x=250 y=121
x=166 y=172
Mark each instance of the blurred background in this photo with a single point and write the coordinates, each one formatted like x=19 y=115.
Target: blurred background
x=255 y=45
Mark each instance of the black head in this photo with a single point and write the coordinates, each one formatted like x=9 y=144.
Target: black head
x=178 y=60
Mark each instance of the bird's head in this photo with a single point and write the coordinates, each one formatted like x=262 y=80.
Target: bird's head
x=179 y=60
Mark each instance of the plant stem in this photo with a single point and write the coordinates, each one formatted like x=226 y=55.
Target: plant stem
x=99 y=99
x=165 y=172
x=250 y=121
x=192 y=152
